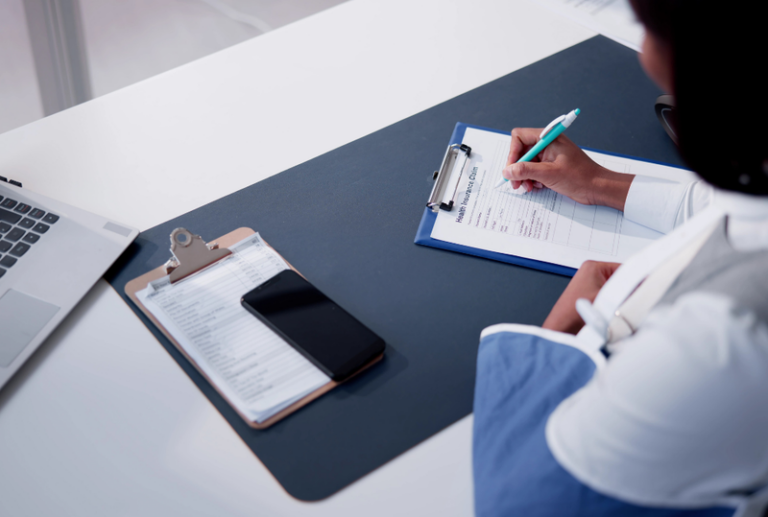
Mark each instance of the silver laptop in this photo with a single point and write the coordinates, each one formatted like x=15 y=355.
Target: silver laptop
x=51 y=254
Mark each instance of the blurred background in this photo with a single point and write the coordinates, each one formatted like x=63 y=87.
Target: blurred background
x=55 y=54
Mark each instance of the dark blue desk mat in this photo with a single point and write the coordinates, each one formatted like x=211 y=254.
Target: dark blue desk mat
x=346 y=220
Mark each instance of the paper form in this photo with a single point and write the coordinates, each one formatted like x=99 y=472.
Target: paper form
x=614 y=19
x=541 y=225
x=255 y=368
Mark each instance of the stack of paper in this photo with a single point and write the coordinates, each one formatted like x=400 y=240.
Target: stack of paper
x=611 y=18
x=253 y=367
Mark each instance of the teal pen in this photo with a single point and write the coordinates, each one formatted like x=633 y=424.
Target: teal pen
x=546 y=137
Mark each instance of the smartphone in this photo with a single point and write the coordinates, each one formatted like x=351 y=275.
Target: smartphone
x=313 y=324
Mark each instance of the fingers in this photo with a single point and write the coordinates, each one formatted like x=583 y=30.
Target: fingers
x=527 y=185
x=531 y=185
x=526 y=135
x=522 y=140
x=609 y=268
x=599 y=271
x=525 y=175
x=526 y=171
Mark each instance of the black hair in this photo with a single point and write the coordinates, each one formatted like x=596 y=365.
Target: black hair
x=719 y=53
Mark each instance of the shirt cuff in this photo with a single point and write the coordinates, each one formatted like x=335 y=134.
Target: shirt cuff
x=654 y=202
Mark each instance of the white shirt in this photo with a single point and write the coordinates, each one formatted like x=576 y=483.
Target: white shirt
x=679 y=416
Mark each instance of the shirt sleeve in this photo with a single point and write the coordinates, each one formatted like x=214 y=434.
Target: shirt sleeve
x=663 y=205
x=679 y=414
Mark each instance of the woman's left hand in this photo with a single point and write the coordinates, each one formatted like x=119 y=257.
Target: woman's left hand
x=586 y=283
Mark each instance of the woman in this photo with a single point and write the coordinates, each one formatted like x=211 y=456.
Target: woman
x=659 y=405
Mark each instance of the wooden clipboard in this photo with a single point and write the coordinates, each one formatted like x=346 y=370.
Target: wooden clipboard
x=224 y=242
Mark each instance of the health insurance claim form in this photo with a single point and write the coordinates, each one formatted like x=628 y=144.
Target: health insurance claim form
x=541 y=225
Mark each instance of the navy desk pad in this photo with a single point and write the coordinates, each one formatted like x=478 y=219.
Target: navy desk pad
x=346 y=220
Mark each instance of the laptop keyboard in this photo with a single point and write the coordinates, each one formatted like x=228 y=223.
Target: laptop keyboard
x=21 y=226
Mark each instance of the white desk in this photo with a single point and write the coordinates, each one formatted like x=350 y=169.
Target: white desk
x=102 y=421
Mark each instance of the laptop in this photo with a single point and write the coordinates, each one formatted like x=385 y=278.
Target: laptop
x=51 y=254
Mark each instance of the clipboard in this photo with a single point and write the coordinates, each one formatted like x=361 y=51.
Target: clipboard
x=443 y=197
x=190 y=256
x=445 y=189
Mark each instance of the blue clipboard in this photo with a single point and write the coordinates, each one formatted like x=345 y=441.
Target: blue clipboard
x=424 y=233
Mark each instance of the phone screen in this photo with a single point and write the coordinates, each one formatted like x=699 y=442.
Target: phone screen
x=312 y=323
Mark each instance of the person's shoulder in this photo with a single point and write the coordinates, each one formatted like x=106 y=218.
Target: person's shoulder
x=679 y=413
x=701 y=339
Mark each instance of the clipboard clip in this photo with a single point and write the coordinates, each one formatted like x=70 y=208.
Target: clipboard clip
x=444 y=182
x=191 y=254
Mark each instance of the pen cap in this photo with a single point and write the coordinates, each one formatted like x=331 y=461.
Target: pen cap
x=569 y=118
x=565 y=120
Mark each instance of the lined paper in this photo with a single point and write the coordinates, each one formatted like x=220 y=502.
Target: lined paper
x=256 y=369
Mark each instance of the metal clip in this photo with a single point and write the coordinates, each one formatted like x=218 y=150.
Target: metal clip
x=443 y=177
x=191 y=254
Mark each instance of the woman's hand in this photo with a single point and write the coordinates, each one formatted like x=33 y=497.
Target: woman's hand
x=565 y=168
x=586 y=283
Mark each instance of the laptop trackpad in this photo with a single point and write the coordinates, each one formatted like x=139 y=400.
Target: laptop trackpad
x=21 y=318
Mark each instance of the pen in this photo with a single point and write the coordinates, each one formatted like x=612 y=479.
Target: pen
x=546 y=137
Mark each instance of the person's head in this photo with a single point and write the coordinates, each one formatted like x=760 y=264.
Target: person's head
x=712 y=58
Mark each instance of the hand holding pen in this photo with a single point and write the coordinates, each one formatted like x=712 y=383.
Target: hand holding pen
x=563 y=167
x=546 y=137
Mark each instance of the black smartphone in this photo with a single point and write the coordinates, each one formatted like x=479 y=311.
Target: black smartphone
x=313 y=324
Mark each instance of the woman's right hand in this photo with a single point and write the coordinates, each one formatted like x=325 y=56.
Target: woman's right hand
x=566 y=169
